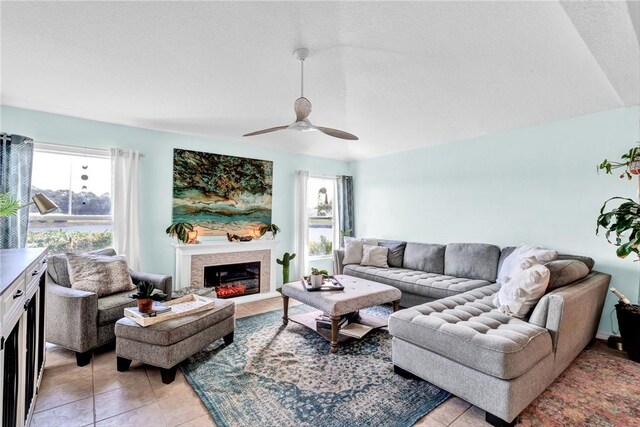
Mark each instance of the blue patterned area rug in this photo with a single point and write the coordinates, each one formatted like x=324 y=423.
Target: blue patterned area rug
x=285 y=376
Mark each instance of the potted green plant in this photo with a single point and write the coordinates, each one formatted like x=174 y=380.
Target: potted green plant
x=8 y=206
x=317 y=277
x=269 y=231
x=630 y=161
x=622 y=225
x=145 y=296
x=180 y=230
x=285 y=262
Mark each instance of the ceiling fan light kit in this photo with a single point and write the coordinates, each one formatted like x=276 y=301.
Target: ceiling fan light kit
x=302 y=108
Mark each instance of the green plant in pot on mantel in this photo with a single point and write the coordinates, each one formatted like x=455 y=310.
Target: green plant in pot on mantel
x=622 y=225
x=145 y=296
x=181 y=231
x=269 y=231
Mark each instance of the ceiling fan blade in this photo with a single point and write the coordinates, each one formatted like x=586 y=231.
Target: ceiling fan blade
x=337 y=133
x=260 y=132
x=302 y=108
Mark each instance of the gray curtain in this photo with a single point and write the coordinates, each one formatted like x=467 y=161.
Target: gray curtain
x=345 y=207
x=16 y=158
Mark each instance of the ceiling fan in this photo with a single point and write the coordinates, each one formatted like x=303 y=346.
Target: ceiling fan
x=302 y=108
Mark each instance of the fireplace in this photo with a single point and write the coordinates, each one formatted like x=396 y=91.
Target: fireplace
x=229 y=261
x=233 y=280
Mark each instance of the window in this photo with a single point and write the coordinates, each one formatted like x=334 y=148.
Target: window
x=321 y=211
x=78 y=180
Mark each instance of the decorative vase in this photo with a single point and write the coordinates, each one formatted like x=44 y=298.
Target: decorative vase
x=145 y=305
x=268 y=235
x=193 y=237
x=317 y=280
x=634 y=168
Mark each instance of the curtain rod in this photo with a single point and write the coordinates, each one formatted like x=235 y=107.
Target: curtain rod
x=78 y=147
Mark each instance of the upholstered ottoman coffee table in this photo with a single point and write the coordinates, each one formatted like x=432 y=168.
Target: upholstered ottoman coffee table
x=166 y=344
x=357 y=295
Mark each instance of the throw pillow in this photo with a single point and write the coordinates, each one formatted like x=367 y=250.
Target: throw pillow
x=511 y=264
x=523 y=289
x=375 y=256
x=59 y=271
x=369 y=241
x=352 y=251
x=564 y=272
x=102 y=275
x=396 y=252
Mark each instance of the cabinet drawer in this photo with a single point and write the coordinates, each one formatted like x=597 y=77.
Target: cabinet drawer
x=13 y=297
x=37 y=267
x=34 y=273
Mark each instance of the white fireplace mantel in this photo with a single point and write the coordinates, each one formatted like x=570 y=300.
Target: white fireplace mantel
x=184 y=252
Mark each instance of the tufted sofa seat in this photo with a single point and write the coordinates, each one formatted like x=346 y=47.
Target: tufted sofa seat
x=429 y=285
x=467 y=327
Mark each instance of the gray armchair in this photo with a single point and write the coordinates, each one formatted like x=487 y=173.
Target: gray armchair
x=79 y=320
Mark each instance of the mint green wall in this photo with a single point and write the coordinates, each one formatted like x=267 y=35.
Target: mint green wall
x=535 y=185
x=156 y=171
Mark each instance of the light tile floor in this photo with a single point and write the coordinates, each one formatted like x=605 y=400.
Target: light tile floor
x=98 y=395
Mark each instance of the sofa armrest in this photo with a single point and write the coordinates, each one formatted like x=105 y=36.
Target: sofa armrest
x=338 y=257
x=71 y=317
x=160 y=281
x=571 y=314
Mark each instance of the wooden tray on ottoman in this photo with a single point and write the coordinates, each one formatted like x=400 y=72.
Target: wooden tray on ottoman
x=183 y=306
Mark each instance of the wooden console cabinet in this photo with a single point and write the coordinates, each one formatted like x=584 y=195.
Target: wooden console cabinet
x=22 y=341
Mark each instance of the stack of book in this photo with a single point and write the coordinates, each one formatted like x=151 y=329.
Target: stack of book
x=158 y=310
x=324 y=322
x=347 y=324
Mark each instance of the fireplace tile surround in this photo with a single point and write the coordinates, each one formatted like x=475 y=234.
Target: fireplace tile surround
x=191 y=259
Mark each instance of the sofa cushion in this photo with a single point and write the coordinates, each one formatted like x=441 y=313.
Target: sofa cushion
x=103 y=275
x=472 y=261
x=564 y=272
x=396 y=251
x=589 y=262
x=352 y=251
x=468 y=329
x=111 y=308
x=424 y=257
x=429 y=285
x=59 y=271
x=504 y=253
x=375 y=256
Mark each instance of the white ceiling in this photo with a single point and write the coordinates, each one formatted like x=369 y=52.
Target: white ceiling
x=400 y=75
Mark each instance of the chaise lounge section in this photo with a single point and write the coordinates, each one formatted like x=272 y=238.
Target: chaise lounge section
x=459 y=341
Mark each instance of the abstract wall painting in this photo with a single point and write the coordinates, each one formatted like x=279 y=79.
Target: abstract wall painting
x=221 y=194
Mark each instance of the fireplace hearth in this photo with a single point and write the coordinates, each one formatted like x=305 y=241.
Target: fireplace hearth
x=233 y=280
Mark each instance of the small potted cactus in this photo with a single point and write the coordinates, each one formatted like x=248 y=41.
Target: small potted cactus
x=145 y=296
x=285 y=262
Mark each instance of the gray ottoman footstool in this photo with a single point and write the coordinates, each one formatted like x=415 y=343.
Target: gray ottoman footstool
x=168 y=343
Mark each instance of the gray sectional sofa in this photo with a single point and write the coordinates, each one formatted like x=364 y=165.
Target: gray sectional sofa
x=453 y=336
